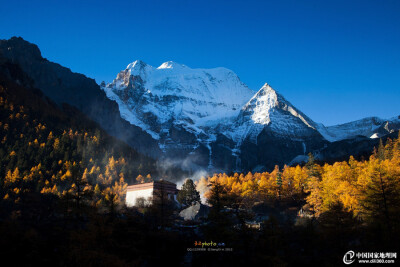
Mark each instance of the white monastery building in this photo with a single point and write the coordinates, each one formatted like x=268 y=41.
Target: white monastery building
x=149 y=190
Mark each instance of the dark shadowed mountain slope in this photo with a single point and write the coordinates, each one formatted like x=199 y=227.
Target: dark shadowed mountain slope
x=34 y=130
x=63 y=86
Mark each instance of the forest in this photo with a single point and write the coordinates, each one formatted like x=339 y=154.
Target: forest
x=369 y=189
x=63 y=182
x=61 y=175
x=316 y=211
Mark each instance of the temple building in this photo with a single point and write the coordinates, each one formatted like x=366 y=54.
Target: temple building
x=148 y=191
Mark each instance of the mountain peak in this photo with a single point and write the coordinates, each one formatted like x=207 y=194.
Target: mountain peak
x=138 y=68
x=17 y=45
x=266 y=88
x=137 y=64
x=171 y=65
x=266 y=85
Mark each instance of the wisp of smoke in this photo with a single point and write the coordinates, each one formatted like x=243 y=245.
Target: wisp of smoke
x=195 y=172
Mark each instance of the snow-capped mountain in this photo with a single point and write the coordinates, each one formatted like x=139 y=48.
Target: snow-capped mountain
x=209 y=118
x=195 y=99
x=268 y=108
x=371 y=127
x=204 y=114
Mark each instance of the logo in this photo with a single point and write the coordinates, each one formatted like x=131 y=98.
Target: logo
x=369 y=257
x=208 y=244
x=348 y=257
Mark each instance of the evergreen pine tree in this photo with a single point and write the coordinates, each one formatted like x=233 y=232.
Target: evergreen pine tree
x=279 y=183
x=188 y=193
x=311 y=166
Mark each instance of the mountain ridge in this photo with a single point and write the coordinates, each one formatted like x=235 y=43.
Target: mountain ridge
x=200 y=118
x=245 y=118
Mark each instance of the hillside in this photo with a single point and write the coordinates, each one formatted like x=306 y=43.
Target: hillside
x=63 y=86
x=35 y=131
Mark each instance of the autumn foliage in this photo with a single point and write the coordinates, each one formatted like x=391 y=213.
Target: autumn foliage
x=369 y=189
x=43 y=151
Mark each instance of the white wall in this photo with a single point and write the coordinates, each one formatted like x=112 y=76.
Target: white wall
x=131 y=196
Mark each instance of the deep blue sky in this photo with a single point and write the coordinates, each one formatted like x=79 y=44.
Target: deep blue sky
x=336 y=61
